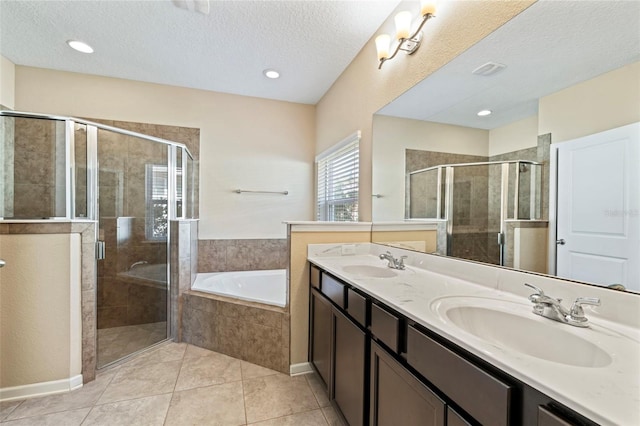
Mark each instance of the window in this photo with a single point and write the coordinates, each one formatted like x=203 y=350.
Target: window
x=338 y=170
x=157 y=196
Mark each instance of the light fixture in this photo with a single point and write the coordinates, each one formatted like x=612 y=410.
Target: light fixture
x=80 y=46
x=484 y=113
x=269 y=73
x=406 y=41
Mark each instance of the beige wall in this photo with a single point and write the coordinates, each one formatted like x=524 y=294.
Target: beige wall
x=7 y=82
x=362 y=89
x=392 y=136
x=247 y=143
x=40 y=328
x=518 y=135
x=299 y=283
x=596 y=105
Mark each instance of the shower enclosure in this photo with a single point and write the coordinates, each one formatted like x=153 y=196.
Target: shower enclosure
x=131 y=185
x=476 y=200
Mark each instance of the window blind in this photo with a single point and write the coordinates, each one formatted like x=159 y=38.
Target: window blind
x=338 y=171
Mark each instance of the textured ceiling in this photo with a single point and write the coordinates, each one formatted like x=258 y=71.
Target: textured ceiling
x=550 y=46
x=310 y=42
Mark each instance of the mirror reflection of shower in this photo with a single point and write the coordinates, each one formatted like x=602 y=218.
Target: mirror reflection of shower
x=477 y=201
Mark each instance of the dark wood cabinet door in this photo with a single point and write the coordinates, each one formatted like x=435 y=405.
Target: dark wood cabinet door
x=321 y=336
x=349 y=369
x=399 y=398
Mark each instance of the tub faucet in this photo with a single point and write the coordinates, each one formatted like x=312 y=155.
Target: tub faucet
x=140 y=262
x=393 y=262
x=551 y=308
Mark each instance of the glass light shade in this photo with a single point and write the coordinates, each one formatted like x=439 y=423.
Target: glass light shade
x=427 y=6
x=403 y=24
x=383 y=41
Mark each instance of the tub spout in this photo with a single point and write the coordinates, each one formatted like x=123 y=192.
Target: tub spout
x=140 y=262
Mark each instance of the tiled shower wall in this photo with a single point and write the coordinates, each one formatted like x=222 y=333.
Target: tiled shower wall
x=242 y=255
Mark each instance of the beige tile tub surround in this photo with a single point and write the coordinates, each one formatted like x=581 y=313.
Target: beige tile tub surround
x=180 y=384
x=86 y=230
x=253 y=332
x=241 y=255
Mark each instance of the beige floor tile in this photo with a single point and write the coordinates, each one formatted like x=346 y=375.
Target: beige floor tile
x=251 y=371
x=333 y=418
x=210 y=406
x=165 y=353
x=64 y=418
x=310 y=418
x=317 y=387
x=277 y=396
x=142 y=381
x=86 y=396
x=212 y=369
x=196 y=351
x=149 y=411
x=7 y=408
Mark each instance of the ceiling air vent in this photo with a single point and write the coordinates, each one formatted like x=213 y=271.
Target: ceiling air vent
x=490 y=68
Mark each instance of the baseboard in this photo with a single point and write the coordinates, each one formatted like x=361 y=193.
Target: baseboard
x=40 y=389
x=302 y=368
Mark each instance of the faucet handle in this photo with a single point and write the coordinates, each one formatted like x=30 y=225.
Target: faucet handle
x=576 y=308
x=537 y=289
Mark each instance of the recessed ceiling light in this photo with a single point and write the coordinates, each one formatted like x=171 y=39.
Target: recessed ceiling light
x=80 y=46
x=269 y=73
x=484 y=113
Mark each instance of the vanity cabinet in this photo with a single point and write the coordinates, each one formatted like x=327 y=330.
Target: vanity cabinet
x=321 y=336
x=350 y=369
x=381 y=368
x=479 y=393
x=398 y=397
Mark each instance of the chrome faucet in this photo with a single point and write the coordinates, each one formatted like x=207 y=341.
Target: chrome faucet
x=551 y=308
x=393 y=262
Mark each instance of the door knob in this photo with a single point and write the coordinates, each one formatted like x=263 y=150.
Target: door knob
x=561 y=242
x=2 y=263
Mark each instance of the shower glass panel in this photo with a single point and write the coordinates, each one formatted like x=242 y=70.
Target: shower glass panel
x=33 y=180
x=426 y=194
x=474 y=230
x=80 y=170
x=133 y=212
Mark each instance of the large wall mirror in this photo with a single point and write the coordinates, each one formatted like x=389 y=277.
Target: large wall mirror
x=548 y=182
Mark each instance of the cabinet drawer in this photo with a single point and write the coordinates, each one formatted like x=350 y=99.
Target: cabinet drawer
x=333 y=289
x=357 y=307
x=385 y=327
x=314 y=276
x=484 y=397
x=547 y=418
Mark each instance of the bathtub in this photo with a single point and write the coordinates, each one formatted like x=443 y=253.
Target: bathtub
x=269 y=286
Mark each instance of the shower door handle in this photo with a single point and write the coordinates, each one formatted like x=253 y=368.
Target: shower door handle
x=100 y=250
x=2 y=263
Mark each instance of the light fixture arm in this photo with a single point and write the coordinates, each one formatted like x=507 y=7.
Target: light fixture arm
x=411 y=43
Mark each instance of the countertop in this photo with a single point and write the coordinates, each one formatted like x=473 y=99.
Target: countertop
x=609 y=395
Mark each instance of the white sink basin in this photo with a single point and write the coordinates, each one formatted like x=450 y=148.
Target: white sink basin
x=513 y=326
x=369 y=271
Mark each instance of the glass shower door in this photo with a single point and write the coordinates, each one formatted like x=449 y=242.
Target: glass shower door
x=133 y=190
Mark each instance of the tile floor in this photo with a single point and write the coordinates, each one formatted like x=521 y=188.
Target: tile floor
x=117 y=342
x=180 y=384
